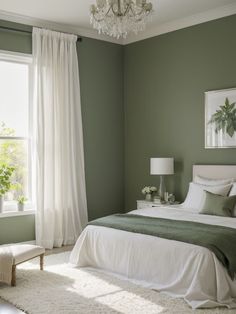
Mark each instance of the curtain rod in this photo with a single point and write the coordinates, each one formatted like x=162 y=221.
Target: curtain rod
x=28 y=32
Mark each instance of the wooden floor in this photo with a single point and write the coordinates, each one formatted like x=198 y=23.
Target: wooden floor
x=7 y=308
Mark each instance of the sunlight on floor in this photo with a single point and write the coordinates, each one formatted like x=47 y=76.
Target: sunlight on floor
x=115 y=297
x=118 y=301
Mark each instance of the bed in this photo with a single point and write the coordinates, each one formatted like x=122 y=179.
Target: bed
x=176 y=268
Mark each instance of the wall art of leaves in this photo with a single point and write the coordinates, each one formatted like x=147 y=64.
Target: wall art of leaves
x=225 y=118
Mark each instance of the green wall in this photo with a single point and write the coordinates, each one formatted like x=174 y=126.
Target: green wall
x=164 y=83
x=17 y=229
x=101 y=79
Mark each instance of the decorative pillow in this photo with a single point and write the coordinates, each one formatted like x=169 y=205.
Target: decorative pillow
x=212 y=182
x=218 y=205
x=233 y=192
x=196 y=196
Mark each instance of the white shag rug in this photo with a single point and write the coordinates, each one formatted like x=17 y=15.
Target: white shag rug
x=61 y=289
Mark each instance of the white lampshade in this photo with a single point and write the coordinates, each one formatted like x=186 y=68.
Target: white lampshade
x=162 y=166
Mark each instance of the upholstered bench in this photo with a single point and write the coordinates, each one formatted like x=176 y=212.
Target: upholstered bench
x=25 y=252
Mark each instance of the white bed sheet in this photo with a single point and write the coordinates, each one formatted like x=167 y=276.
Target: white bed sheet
x=176 y=268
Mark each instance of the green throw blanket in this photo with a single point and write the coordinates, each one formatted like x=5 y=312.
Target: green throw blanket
x=220 y=240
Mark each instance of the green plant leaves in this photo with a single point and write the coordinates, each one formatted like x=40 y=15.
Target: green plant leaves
x=225 y=118
x=5 y=178
x=22 y=199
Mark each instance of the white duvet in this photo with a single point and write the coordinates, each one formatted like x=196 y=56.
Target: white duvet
x=179 y=269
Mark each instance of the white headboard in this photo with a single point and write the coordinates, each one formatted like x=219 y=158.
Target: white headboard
x=215 y=171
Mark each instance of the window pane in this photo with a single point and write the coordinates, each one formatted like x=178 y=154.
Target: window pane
x=14 y=153
x=14 y=97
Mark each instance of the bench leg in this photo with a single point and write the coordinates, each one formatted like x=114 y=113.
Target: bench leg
x=13 y=276
x=41 y=261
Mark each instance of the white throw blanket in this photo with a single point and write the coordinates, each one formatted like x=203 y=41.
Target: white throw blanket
x=6 y=262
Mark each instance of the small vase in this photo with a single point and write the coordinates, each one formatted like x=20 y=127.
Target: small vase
x=1 y=204
x=20 y=207
x=148 y=197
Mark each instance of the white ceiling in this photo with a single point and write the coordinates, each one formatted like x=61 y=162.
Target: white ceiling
x=74 y=14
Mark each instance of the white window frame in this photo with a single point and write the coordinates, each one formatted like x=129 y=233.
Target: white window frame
x=10 y=208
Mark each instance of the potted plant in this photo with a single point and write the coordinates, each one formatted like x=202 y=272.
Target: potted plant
x=5 y=182
x=148 y=191
x=21 y=202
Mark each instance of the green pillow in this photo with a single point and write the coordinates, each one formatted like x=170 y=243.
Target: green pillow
x=218 y=205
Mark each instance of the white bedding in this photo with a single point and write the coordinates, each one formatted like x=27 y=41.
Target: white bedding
x=177 y=268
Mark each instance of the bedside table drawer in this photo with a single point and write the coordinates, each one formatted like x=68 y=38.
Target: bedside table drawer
x=145 y=204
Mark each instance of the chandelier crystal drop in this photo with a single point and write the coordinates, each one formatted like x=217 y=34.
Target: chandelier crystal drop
x=117 y=18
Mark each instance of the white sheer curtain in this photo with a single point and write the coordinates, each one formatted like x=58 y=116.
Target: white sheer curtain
x=60 y=178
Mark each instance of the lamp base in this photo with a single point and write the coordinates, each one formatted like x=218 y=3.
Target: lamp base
x=162 y=188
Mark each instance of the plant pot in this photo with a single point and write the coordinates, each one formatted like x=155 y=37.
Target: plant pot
x=21 y=207
x=1 y=204
x=148 y=197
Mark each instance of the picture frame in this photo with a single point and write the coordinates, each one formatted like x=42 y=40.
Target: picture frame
x=220 y=118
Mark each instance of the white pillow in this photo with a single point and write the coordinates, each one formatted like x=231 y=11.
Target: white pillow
x=212 y=182
x=233 y=192
x=196 y=196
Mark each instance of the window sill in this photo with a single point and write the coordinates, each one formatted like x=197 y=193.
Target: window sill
x=17 y=213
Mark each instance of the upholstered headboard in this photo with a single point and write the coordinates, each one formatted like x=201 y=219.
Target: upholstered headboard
x=215 y=171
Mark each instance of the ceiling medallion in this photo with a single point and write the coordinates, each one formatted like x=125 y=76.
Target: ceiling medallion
x=117 y=18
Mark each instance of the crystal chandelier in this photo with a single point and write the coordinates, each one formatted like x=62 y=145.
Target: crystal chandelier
x=119 y=17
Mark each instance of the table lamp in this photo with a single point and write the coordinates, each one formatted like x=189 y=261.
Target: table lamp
x=162 y=167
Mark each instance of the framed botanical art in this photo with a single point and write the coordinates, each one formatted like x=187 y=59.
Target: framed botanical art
x=220 y=118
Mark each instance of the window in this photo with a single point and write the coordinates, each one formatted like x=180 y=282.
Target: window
x=15 y=125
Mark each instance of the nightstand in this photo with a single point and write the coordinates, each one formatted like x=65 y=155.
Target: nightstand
x=144 y=204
